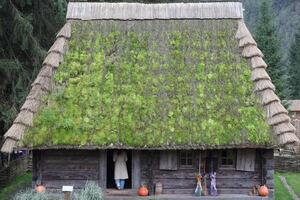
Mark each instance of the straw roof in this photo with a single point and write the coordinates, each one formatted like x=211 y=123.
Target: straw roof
x=294 y=105
x=212 y=17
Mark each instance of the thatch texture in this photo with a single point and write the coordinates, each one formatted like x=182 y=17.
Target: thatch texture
x=263 y=84
x=268 y=96
x=36 y=92
x=53 y=59
x=277 y=115
x=31 y=104
x=46 y=71
x=65 y=32
x=9 y=145
x=294 y=105
x=16 y=132
x=250 y=51
x=134 y=11
x=259 y=74
x=278 y=119
x=148 y=91
x=245 y=41
x=25 y=117
x=40 y=87
x=258 y=62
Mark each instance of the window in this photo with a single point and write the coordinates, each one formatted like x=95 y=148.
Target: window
x=227 y=158
x=186 y=159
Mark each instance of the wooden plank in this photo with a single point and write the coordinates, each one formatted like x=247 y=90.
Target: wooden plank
x=102 y=168
x=245 y=160
x=136 y=169
x=70 y=175
x=168 y=160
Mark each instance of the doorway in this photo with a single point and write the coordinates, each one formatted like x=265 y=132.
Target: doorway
x=110 y=183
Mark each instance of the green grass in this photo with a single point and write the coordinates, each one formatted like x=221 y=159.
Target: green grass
x=18 y=183
x=280 y=191
x=293 y=180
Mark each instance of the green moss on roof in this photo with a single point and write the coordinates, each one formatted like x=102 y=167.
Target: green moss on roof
x=151 y=84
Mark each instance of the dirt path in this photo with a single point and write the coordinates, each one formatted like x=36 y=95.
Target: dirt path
x=286 y=185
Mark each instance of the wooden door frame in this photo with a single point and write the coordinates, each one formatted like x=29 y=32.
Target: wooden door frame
x=135 y=169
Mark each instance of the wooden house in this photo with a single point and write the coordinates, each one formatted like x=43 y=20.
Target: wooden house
x=181 y=87
x=294 y=112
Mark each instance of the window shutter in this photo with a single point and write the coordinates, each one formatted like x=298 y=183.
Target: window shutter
x=168 y=160
x=245 y=160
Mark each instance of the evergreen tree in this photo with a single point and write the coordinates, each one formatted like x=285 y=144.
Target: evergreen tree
x=268 y=43
x=294 y=67
x=27 y=29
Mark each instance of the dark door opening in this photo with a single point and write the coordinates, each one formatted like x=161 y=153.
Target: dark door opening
x=110 y=181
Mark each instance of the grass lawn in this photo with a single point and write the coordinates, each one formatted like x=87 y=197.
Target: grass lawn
x=15 y=185
x=280 y=191
x=293 y=180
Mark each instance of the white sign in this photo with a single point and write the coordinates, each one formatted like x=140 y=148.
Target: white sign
x=67 y=188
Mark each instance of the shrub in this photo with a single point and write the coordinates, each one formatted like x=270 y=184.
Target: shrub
x=91 y=191
x=30 y=195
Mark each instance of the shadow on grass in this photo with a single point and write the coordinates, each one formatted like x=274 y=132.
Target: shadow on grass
x=17 y=184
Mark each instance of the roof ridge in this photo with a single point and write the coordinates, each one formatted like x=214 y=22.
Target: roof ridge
x=141 y=11
x=277 y=115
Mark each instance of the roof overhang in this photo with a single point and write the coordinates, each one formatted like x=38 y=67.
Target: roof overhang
x=140 y=11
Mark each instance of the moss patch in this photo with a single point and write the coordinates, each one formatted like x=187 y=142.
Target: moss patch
x=152 y=84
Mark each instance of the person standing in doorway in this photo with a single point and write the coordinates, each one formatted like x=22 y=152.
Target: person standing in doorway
x=121 y=174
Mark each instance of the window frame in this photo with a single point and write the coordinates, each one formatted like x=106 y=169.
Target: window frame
x=186 y=158
x=232 y=156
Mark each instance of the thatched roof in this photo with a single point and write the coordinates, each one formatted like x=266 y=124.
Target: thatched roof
x=294 y=105
x=134 y=11
x=224 y=42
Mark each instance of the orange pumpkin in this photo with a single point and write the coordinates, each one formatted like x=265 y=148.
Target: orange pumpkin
x=263 y=191
x=40 y=188
x=143 y=191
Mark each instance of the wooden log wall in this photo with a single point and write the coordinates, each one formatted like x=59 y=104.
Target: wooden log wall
x=182 y=181
x=268 y=169
x=56 y=168
x=287 y=163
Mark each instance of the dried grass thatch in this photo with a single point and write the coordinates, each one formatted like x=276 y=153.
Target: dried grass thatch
x=259 y=74
x=294 y=105
x=44 y=82
x=9 y=145
x=277 y=115
x=275 y=108
x=25 y=117
x=139 y=11
x=31 y=105
x=277 y=119
x=59 y=46
x=264 y=84
x=258 y=62
x=251 y=51
x=284 y=128
x=14 y=131
x=268 y=96
x=46 y=71
x=65 y=32
x=245 y=41
x=53 y=59
x=36 y=92
x=288 y=139
x=242 y=31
